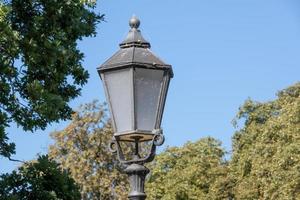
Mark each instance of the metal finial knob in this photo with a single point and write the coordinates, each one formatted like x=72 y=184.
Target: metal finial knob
x=134 y=22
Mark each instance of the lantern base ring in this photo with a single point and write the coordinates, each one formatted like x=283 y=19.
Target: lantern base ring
x=157 y=140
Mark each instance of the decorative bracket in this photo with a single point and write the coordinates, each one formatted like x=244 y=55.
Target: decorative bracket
x=158 y=140
x=134 y=167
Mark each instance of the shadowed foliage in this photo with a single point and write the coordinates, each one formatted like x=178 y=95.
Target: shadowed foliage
x=40 y=179
x=40 y=64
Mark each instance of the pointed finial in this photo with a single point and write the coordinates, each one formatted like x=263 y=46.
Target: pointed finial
x=134 y=22
x=134 y=37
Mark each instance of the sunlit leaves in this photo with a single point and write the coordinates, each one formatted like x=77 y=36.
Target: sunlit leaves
x=266 y=156
x=264 y=165
x=82 y=148
x=188 y=172
x=265 y=162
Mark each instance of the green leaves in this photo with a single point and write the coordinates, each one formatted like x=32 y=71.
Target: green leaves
x=264 y=165
x=265 y=162
x=40 y=179
x=188 y=172
x=266 y=157
x=41 y=67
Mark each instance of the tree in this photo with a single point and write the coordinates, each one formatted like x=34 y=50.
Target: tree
x=197 y=169
x=40 y=179
x=266 y=150
x=264 y=165
x=40 y=65
x=188 y=172
x=82 y=148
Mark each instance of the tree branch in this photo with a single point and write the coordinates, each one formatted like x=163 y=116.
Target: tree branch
x=15 y=160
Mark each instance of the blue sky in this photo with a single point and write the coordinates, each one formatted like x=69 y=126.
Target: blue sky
x=222 y=52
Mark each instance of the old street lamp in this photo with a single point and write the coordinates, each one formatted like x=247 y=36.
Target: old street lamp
x=136 y=84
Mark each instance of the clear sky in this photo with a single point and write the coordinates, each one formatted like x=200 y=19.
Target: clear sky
x=222 y=52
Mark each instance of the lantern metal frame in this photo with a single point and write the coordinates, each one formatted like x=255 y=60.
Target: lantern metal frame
x=134 y=54
x=159 y=108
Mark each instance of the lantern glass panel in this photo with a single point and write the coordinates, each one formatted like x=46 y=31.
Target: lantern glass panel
x=148 y=85
x=119 y=90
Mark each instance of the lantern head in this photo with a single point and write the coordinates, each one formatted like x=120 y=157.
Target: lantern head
x=136 y=84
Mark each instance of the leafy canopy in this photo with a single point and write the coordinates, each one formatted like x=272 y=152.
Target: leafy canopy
x=265 y=162
x=40 y=179
x=264 y=165
x=266 y=151
x=188 y=172
x=82 y=148
x=40 y=63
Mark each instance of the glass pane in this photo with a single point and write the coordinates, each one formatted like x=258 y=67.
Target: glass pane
x=148 y=84
x=163 y=100
x=119 y=88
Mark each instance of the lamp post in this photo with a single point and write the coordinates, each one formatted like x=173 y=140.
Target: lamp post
x=136 y=84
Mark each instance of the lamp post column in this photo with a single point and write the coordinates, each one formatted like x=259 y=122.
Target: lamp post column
x=137 y=174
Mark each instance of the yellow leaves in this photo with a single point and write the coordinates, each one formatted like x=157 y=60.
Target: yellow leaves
x=269 y=149
x=4 y=9
x=188 y=172
x=89 y=2
x=265 y=163
x=82 y=149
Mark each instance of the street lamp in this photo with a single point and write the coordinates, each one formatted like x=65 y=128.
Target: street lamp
x=136 y=84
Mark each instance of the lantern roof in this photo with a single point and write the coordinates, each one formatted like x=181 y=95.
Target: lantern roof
x=134 y=50
x=134 y=37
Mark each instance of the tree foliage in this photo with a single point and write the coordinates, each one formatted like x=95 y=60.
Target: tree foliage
x=266 y=151
x=40 y=179
x=264 y=165
x=40 y=64
x=265 y=162
x=82 y=148
x=188 y=172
